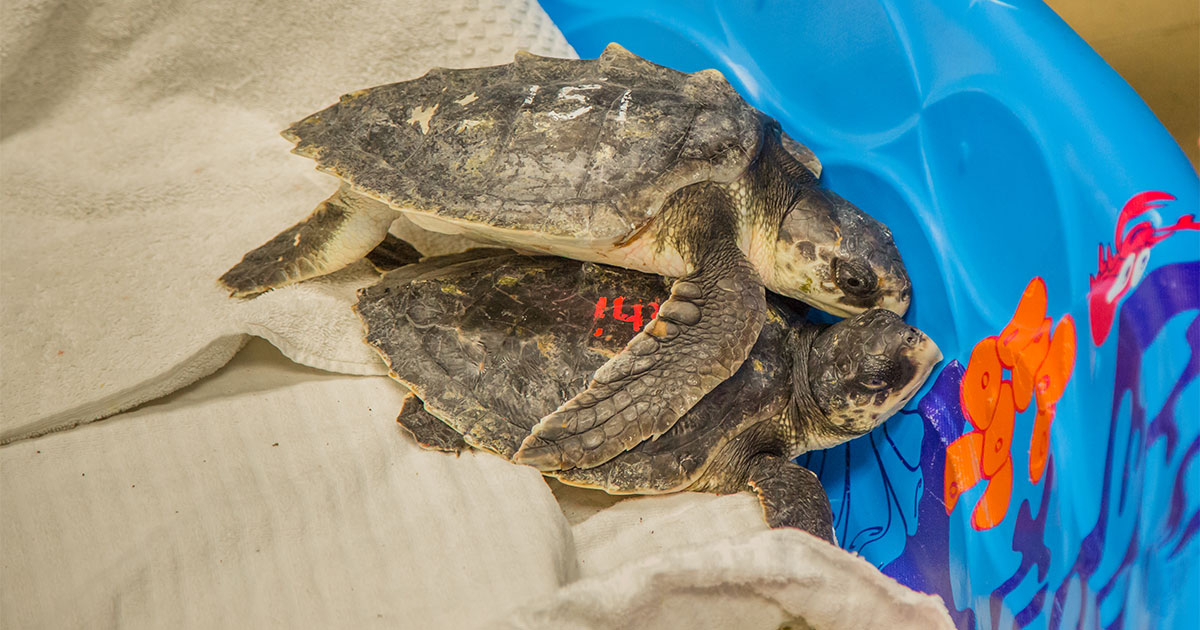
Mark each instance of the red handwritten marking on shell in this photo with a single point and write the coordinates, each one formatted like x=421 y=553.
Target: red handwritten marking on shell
x=1038 y=364
x=633 y=316
x=1119 y=271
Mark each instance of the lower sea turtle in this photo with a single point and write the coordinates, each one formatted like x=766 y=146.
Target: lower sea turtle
x=491 y=341
x=614 y=160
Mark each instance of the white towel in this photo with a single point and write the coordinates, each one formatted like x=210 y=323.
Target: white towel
x=142 y=158
x=139 y=159
x=269 y=495
x=773 y=579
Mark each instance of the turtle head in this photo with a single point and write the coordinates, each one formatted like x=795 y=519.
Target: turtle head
x=862 y=370
x=837 y=258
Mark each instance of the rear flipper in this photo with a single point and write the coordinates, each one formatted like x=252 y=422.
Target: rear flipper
x=430 y=432
x=791 y=496
x=343 y=229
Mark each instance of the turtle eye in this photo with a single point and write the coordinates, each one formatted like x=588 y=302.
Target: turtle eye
x=877 y=372
x=874 y=383
x=855 y=278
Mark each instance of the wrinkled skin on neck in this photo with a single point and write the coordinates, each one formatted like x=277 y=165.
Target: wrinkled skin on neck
x=827 y=252
x=858 y=373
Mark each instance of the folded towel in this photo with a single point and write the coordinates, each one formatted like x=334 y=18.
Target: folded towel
x=142 y=158
x=773 y=579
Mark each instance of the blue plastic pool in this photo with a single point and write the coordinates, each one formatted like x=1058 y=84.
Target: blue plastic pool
x=1047 y=477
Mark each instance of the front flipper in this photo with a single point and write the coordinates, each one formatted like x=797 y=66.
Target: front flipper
x=700 y=337
x=427 y=429
x=791 y=496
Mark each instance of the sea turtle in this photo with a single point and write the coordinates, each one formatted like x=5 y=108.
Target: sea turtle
x=614 y=160
x=490 y=342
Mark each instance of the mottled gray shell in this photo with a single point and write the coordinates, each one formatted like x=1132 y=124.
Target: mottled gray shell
x=587 y=149
x=493 y=345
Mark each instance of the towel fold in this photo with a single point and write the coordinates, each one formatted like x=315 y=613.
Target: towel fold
x=142 y=159
x=773 y=579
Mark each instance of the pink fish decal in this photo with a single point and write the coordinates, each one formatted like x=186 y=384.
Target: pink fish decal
x=1120 y=270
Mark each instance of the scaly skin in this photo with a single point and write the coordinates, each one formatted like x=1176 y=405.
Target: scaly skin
x=791 y=496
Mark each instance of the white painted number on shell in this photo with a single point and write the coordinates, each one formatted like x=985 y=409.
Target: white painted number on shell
x=624 y=107
x=533 y=90
x=569 y=94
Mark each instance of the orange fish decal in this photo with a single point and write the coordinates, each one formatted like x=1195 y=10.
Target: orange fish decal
x=1030 y=361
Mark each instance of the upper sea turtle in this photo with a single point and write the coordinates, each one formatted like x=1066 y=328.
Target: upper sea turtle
x=490 y=342
x=613 y=160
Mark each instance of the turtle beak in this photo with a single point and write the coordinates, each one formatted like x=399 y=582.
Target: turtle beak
x=925 y=355
x=935 y=353
x=896 y=296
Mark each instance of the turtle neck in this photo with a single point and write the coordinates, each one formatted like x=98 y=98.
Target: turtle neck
x=809 y=427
